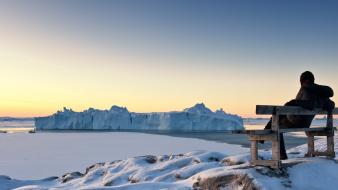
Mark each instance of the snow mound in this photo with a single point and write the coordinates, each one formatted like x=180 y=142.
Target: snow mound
x=192 y=170
x=196 y=118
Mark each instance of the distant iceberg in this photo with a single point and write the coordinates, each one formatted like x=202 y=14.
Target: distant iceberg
x=196 y=118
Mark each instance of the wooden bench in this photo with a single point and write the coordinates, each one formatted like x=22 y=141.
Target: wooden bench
x=273 y=134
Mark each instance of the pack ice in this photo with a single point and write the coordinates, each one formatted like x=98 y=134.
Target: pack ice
x=196 y=118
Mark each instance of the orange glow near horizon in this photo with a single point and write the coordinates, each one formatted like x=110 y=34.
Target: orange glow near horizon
x=30 y=88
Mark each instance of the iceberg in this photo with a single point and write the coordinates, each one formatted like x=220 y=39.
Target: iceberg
x=196 y=118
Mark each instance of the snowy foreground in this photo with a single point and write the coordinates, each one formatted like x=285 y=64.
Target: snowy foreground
x=194 y=170
x=196 y=118
x=44 y=154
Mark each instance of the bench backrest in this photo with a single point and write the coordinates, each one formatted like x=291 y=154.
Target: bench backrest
x=293 y=110
x=275 y=111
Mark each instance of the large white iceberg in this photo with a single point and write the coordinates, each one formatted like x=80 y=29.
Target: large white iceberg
x=196 y=118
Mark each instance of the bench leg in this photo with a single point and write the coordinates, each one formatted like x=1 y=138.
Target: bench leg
x=276 y=154
x=254 y=150
x=310 y=146
x=330 y=147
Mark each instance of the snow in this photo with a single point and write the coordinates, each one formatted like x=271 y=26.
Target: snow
x=55 y=153
x=206 y=169
x=196 y=118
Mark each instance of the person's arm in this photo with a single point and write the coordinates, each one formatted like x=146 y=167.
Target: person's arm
x=306 y=104
x=320 y=90
x=328 y=105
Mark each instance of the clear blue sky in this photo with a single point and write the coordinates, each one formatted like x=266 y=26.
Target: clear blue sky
x=162 y=55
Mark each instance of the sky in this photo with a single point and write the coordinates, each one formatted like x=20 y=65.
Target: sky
x=162 y=55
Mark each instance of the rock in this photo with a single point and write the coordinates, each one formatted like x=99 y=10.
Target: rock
x=70 y=176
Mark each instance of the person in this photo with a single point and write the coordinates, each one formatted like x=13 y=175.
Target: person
x=310 y=96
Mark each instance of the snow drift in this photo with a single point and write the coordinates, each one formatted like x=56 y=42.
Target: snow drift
x=196 y=118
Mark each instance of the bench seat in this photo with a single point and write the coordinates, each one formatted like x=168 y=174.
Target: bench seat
x=289 y=130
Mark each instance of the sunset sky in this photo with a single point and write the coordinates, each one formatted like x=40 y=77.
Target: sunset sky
x=162 y=55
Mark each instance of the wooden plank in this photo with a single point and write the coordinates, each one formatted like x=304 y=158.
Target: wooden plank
x=275 y=123
x=254 y=150
x=270 y=137
x=313 y=129
x=325 y=153
x=238 y=131
x=310 y=146
x=258 y=132
x=292 y=110
x=275 y=150
x=248 y=132
x=271 y=163
x=330 y=146
x=268 y=131
x=320 y=133
x=275 y=143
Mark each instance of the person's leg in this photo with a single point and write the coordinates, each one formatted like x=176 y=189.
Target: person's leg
x=268 y=125
x=282 y=119
x=282 y=150
x=283 y=155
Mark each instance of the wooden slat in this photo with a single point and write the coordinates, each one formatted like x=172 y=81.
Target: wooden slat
x=272 y=163
x=275 y=143
x=275 y=150
x=320 y=133
x=238 y=131
x=293 y=110
x=275 y=123
x=310 y=146
x=330 y=146
x=268 y=131
x=270 y=137
x=325 y=153
x=258 y=132
x=313 y=129
x=254 y=150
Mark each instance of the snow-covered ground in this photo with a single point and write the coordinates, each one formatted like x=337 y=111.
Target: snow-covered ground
x=43 y=154
x=148 y=161
x=196 y=118
x=194 y=169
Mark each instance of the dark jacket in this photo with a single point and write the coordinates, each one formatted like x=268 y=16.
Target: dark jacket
x=310 y=97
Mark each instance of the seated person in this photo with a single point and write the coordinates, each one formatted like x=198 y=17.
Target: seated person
x=310 y=96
